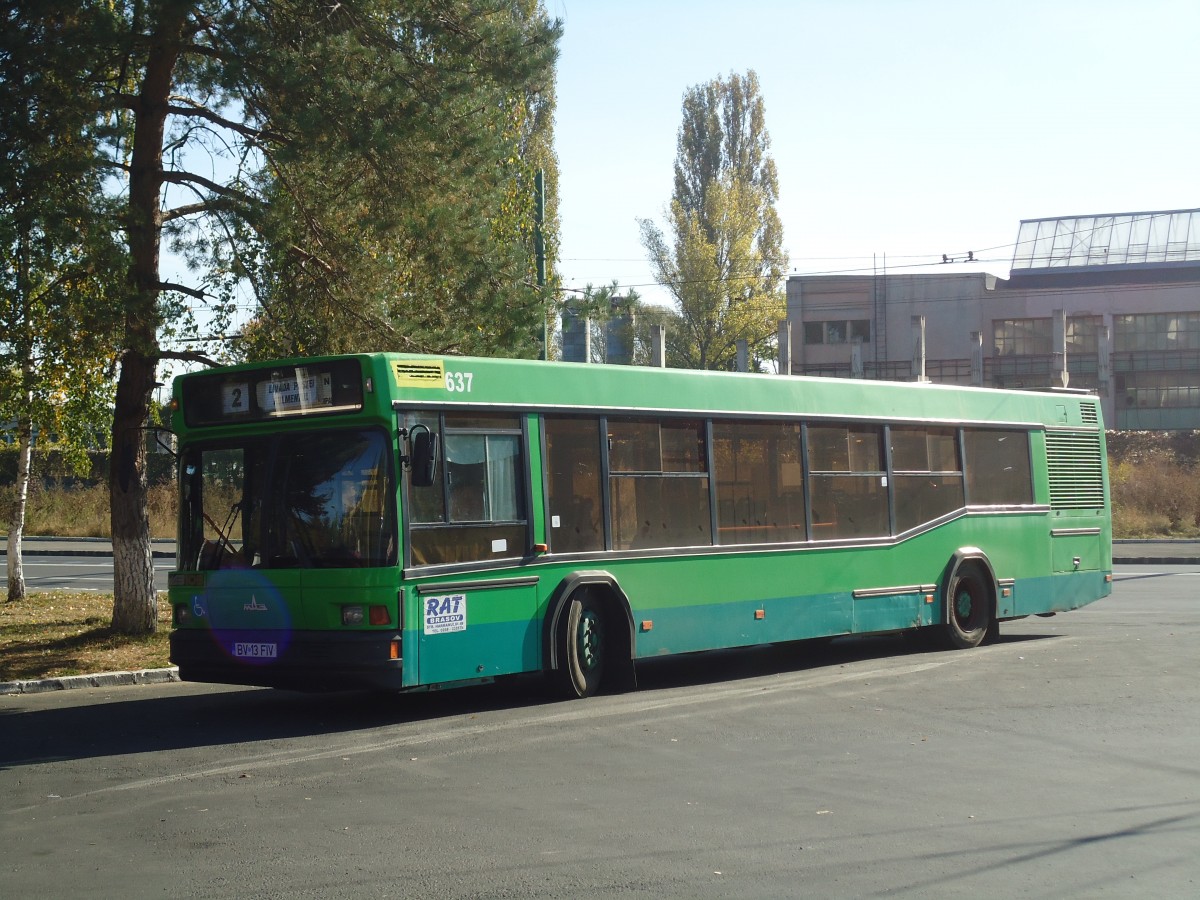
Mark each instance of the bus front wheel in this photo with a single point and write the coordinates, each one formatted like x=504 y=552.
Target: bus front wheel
x=970 y=612
x=582 y=647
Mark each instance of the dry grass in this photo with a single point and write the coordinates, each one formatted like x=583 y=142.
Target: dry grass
x=82 y=511
x=49 y=635
x=1155 y=497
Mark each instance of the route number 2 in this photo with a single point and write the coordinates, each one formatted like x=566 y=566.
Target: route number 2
x=459 y=382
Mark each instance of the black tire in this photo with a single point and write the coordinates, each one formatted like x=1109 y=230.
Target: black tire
x=582 y=646
x=970 y=612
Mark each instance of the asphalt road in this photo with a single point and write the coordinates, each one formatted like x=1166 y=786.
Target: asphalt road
x=1059 y=762
x=81 y=573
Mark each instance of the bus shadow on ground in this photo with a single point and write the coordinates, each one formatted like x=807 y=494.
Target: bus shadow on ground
x=106 y=724
x=718 y=666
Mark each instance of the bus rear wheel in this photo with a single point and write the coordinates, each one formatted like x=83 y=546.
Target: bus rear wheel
x=582 y=647
x=970 y=612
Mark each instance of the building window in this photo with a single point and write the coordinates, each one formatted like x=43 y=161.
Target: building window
x=1022 y=337
x=1083 y=334
x=1157 y=331
x=1162 y=390
x=1035 y=337
x=838 y=331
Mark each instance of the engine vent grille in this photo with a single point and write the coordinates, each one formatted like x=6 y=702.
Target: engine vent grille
x=1076 y=469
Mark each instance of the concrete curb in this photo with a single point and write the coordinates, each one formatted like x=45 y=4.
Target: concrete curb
x=45 y=545
x=103 y=679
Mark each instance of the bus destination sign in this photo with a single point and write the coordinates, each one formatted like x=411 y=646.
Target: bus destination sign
x=333 y=386
x=305 y=391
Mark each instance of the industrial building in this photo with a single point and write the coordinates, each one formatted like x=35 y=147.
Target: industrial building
x=1110 y=303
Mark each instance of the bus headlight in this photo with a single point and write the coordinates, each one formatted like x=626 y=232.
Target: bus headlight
x=353 y=615
x=183 y=614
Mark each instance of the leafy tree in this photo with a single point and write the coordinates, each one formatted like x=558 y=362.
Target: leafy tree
x=426 y=237
x=725 y=259
x=351 y=152
x=60 y=261
x=600 y=304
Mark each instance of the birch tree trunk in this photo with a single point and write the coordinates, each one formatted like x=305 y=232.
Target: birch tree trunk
x=16 y=528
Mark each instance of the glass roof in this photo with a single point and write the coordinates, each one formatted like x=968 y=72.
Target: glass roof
x=1108 y=240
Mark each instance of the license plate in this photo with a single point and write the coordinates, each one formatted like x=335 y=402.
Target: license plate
x=247 y=650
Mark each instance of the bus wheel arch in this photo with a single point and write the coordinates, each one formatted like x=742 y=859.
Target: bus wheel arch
x=588 y=639
x=969 y=614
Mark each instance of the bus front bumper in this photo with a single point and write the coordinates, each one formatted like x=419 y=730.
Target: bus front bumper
x=296 y=660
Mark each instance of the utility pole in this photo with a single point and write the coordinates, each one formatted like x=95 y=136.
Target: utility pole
x=918 y=355
x=1059 y=376
x=539 y=249
x=658 y=346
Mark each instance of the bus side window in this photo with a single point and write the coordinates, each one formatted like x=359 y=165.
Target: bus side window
x=573 y=484
x=997 y=464
x=475 y=510
x=847 y=479
x=760 y=484
x=927 y=476
x=659 y=483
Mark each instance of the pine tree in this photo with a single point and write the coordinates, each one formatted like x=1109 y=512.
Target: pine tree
x=347 y=158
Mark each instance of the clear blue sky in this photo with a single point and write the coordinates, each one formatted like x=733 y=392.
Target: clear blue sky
x=910 y=128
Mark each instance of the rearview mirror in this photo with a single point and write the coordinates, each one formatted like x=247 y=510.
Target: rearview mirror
x=424 y=458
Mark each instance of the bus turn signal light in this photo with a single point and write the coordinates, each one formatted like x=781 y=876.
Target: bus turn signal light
x=357 y=615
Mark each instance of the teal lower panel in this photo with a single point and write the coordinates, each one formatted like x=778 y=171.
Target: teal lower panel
x=686 y=629
x=481 y=651
x=890 y=612
x=1059 y=593
x=501 y=648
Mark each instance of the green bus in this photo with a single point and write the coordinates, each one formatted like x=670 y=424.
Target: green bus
x=402 y=522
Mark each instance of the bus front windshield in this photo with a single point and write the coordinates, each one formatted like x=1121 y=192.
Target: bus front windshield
x=316 y=500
